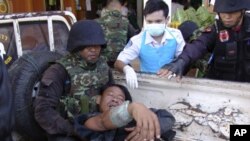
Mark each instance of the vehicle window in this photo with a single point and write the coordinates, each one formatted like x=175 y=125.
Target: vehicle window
x=7 y=37
x=34 y=36
x=61 y=33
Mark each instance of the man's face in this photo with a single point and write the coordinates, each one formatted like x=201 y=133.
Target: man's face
x=91 y=53
x=156 y=17
x=111 y=97
x=231 y=19
x=114 y=5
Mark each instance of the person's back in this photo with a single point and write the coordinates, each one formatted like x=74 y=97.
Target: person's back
x=115 y=28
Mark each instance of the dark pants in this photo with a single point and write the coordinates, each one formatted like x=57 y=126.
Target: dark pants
x=7 y=138
x=6 y=104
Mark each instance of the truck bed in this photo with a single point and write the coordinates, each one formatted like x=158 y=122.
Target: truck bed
x=204 y=109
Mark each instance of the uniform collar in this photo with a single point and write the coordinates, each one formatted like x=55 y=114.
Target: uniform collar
x=83 y=64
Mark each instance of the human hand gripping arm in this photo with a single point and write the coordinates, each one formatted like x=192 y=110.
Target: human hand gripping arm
x=147 y=123
x=147 y=126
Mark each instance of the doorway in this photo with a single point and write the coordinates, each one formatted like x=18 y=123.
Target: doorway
x=52 y=5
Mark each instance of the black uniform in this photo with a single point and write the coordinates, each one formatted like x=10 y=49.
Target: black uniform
x=230 y=48
x=6 y=108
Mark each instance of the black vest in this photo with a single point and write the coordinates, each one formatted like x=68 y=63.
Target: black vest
x=232 y=53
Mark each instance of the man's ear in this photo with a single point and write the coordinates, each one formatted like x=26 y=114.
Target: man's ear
x=167 y=19
x=98 y=99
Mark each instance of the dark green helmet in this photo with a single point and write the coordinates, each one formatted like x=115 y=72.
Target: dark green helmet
x=85 y=33
x=226 y=6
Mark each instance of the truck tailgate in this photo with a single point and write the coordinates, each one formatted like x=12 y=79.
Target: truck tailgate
x=204 y=109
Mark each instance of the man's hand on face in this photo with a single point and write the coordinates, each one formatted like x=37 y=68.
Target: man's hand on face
x=147 y=123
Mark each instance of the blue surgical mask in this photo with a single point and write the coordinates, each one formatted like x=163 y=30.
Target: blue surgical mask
x=155 y=29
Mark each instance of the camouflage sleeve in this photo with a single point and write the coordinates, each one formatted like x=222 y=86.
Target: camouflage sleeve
x=51 y=89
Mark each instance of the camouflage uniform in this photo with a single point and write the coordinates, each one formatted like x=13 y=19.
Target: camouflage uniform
x=71 y=84
x=115 y=29
x=85 y=84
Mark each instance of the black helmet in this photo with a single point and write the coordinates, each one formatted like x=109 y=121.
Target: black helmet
x=187 y=29
x=230 y=5
x=85 y=33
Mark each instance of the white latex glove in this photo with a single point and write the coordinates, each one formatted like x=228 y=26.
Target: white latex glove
x=2 y=51
x=131 y=77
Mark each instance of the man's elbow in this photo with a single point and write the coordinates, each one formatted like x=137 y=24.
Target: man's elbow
x=119 y=65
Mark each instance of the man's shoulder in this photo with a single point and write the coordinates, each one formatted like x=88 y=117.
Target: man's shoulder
x=173 y=30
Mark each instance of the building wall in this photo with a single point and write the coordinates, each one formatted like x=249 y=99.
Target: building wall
x=28 y=5
x=18 y=6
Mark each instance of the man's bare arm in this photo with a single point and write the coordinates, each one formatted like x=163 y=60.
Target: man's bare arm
x=147 y=124
x=119 y=65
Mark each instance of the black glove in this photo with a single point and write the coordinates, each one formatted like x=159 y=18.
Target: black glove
x=178 y=67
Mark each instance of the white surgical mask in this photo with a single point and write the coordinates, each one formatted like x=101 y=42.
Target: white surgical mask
x=155 y=29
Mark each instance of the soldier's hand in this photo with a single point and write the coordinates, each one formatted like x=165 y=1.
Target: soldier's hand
x=131 y=77
x=147 y=123
x=174 y=69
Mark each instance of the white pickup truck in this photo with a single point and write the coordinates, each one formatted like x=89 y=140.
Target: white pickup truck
x=204 y=109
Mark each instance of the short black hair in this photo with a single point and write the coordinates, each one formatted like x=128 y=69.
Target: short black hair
x=155 y=5
x=106 y=2
x=123 y=88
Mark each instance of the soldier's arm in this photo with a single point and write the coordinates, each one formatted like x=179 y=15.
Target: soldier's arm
x=197 y=48
x=52 y=87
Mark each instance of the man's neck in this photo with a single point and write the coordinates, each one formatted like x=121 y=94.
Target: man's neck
x=158 y=38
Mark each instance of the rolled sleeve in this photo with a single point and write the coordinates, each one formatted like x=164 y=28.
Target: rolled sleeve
x=52 y=86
